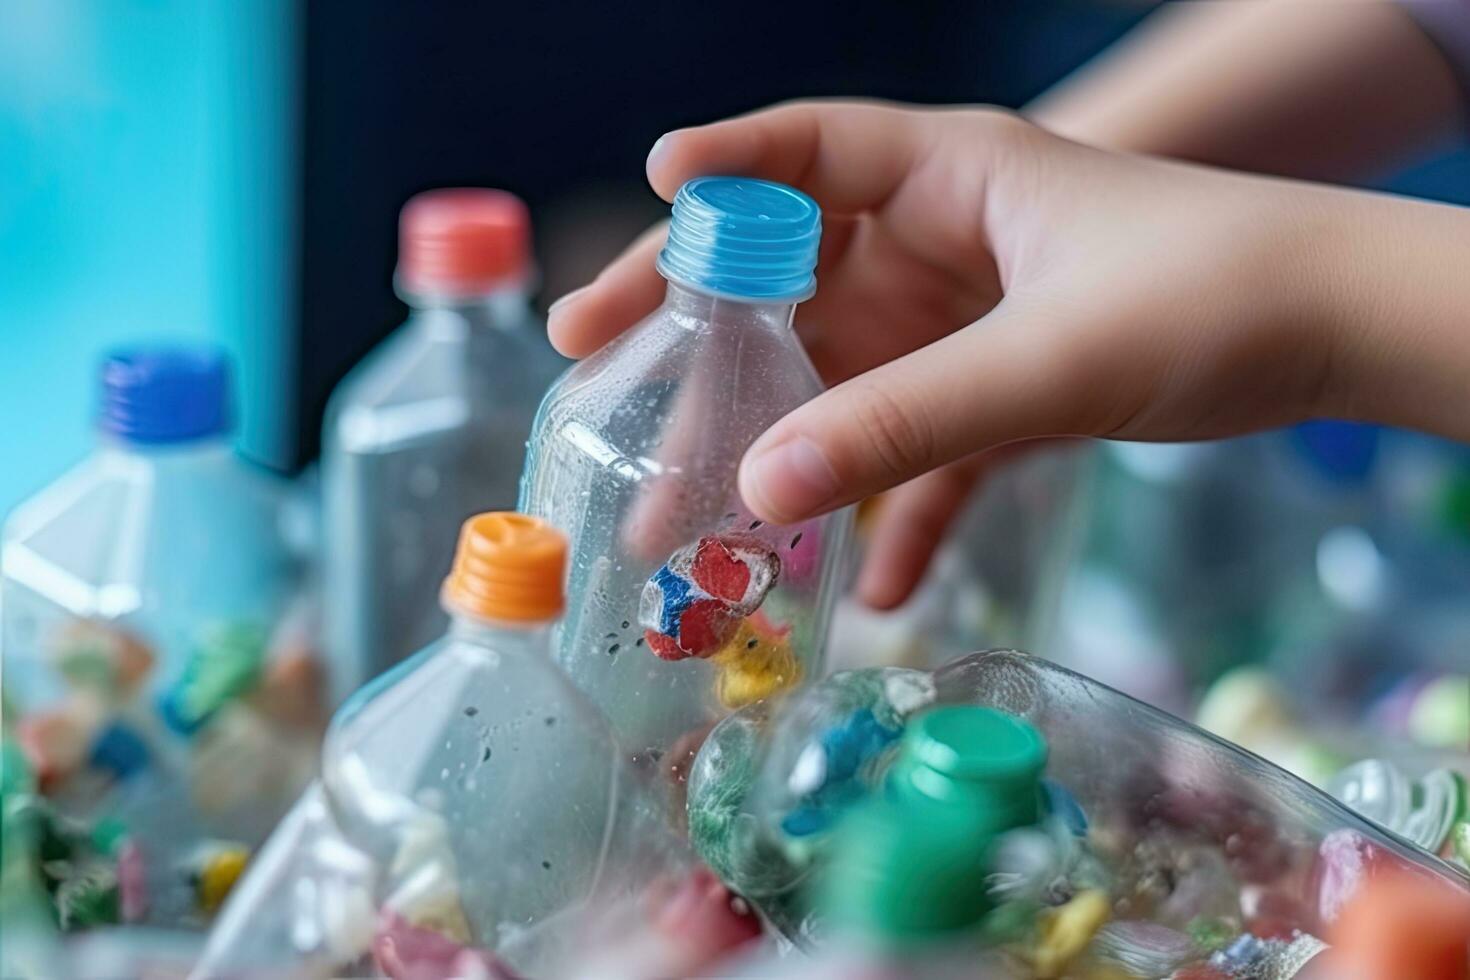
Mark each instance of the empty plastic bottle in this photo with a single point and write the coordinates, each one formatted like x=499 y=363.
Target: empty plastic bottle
x=687 y=606
x=480 y=789
x=995 y=582
x=431 y=427
x=1206 y=555
x=157 y=681
x=1143 y=848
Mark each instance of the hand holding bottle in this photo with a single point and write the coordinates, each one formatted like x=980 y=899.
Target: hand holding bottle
x=985 y=283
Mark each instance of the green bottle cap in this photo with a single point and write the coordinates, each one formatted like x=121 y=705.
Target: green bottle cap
x=981 y=762
x=900 y=880
x=911 y=866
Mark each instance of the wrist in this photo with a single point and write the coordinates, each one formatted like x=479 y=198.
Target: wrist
x=1389 y=303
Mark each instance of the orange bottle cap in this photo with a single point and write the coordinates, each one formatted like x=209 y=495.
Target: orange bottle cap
x=507 y=567
x=463 y=241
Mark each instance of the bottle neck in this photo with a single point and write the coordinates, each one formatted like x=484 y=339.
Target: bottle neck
x=505 y=306
x=502 y=636
x=699 y=309
x=167 y=453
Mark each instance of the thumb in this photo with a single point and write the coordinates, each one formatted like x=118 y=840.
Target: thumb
x=1001 y=379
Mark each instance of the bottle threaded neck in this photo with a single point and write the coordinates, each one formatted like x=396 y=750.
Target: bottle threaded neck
x=742 y=237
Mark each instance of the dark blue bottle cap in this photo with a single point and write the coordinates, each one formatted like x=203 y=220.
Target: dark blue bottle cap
x=166 y=394
x=743 y=237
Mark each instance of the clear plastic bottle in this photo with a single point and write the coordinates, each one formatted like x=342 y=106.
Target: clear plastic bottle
x=1155 y=847
x=997 y=579
x=431 y=427
x=488 y=790
x=1383 y=621
x=1203 y=556
x=635 y=453
x=158 y=683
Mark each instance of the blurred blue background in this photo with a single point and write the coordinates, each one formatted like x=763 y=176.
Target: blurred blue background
x=234 y=170
x=148 y=179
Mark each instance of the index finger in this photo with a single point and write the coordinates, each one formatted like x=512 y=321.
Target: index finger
x=625 y=292
x=849 y=156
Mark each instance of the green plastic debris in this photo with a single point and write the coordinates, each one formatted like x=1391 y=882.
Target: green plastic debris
x=226 y=664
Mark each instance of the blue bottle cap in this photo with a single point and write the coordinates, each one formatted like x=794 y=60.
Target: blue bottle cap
x=166 y=394
x=120 y=751
x=743 y=237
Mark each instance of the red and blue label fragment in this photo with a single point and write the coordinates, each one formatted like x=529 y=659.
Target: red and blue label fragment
x=693 y=605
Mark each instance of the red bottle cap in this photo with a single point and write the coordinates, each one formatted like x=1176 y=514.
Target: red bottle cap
x=463 y=241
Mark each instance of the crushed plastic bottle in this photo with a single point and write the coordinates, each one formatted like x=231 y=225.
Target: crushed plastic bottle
x=159 y=679
x=430 y=427
x=688 y=606
x=1147 y=848
x=473 y=807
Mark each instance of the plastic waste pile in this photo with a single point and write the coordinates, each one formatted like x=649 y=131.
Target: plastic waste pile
x=163 y=696
x=1023 y=816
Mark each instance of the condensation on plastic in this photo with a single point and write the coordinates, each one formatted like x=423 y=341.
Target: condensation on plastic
x=634 y=454
x=472 y=791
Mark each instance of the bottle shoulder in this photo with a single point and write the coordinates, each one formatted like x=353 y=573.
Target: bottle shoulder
x=410 y=364
x=123 y=530
x=423 y=383
x=752 y=369
x=458 y=681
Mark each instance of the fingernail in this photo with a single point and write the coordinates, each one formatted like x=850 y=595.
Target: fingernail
x=566 y=300
x=792 y=480
x=660 y=145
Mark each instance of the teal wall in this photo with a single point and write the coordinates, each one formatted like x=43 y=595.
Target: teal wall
x=147 y=190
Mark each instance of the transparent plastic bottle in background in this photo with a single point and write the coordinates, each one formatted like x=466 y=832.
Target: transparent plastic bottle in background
x=431 y=427
x=996 y=581
x=1383 y=633
x=686 y=605
x=1154 y=847
x=154 y=674
x=1015 y=546
x=1198 y=556
x=485 y=787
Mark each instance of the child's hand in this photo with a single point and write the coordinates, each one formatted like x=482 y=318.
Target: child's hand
x=983 y=283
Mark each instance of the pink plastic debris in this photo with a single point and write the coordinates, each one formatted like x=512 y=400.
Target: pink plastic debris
x=132 y=882
x=407 y=952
